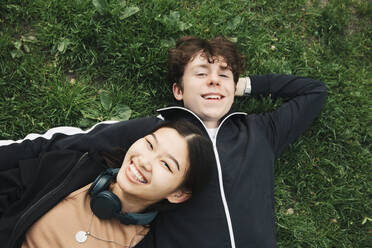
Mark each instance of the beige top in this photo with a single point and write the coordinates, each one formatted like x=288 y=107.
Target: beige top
x=59 y=226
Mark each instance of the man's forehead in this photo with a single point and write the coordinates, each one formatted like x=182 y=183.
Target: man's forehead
x=201 y=60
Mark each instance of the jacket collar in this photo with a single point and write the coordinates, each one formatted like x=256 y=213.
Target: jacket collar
x=179 y=112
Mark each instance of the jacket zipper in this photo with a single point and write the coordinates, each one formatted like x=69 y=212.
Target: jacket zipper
x=222 y=190
x=219 y=170
x=13 y=238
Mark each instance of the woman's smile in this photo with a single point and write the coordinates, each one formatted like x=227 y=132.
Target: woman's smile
x=134 y=175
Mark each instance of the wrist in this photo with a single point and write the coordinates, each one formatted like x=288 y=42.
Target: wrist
x=243 y=87
x=240 y=86
x=248 y=86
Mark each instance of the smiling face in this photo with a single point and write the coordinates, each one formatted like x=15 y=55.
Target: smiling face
x=207 y=89
x=154 y=167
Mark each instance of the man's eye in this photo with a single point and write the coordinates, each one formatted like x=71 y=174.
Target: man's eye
x=224 y=75
x=166 y=165
x=201 y=74
x=150 y=145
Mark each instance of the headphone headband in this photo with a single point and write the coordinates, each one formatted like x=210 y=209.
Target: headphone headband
x=103 y=181
x=136 y=218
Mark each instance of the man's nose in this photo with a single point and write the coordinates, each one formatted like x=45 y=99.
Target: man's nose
x=213 y=80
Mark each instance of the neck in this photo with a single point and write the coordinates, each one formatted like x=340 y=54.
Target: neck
x=129 y=203
x=211 y=124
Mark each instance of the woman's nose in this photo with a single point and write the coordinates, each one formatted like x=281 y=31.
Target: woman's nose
x=145 y=162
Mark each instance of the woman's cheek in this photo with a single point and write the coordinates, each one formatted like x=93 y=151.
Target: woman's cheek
x=162 y=181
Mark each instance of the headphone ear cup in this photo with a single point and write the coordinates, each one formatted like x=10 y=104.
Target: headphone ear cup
x=105 y=205
x=102 y=182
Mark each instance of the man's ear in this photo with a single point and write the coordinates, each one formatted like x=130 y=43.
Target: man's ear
x=179 y=196
x=177 y=92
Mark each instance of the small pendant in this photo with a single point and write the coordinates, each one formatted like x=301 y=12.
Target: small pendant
x=81 y=236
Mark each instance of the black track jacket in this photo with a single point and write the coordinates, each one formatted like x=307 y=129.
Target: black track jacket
x=235 y=210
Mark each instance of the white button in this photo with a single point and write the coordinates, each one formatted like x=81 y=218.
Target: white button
x=81 y=236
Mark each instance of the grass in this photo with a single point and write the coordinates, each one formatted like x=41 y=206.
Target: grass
x=62 y=60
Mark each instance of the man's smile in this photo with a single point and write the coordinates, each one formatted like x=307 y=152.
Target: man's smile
x=212 y=96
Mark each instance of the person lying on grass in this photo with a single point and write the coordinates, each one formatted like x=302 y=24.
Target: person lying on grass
x=237 y=208
x=156 y=173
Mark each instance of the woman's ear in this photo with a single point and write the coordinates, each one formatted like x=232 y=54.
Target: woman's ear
x=179 y=196
x=177 y=92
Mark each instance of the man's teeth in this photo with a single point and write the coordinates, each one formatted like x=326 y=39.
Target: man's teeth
x=135 y=172
x=212 y=97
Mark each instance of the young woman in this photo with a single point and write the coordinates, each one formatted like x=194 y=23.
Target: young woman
x=50 y=205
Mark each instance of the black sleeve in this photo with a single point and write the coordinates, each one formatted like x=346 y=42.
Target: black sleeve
x=10 y=188
x=103 y=137
x=304 y=99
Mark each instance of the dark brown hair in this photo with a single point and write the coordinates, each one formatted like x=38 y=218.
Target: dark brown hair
x=188 y=47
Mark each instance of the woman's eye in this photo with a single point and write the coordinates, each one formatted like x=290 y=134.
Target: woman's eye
x=201 y=74
x=223 y=75
x=150 y=145
x=166 y=165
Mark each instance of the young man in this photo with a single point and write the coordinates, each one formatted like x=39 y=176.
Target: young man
x=237 y=208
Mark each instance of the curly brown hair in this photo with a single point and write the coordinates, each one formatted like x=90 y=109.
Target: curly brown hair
x=188 y=47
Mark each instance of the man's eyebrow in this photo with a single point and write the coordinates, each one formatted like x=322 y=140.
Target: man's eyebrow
x=201 y=66
x=170 y=156
x=206 y=66
x=224 y=68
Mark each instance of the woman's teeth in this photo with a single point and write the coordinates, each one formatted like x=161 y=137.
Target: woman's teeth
x=137 y=174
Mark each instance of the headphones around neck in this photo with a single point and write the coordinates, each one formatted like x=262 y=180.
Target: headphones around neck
x=107 y=205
